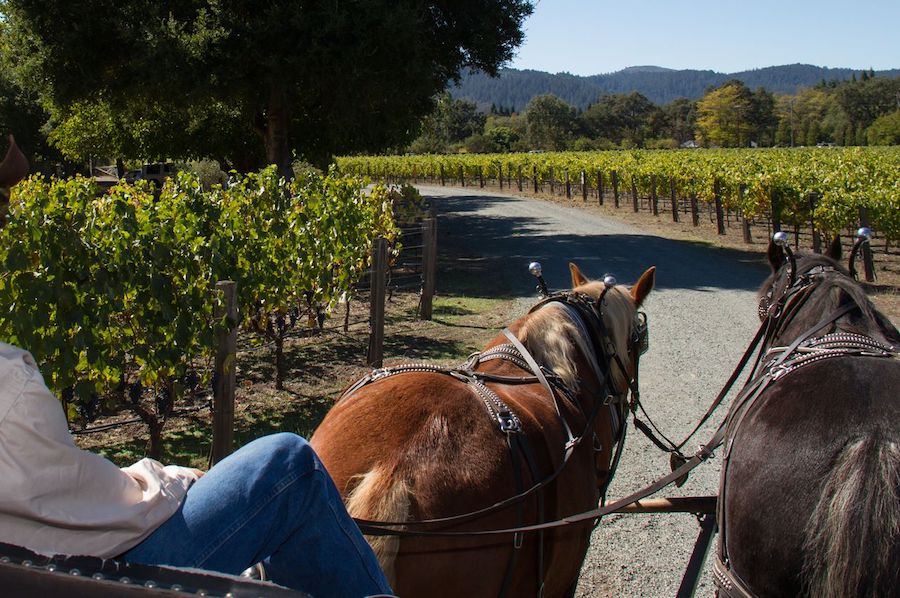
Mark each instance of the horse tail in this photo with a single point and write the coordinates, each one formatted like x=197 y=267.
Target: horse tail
x=852 y=543
x=381 y=496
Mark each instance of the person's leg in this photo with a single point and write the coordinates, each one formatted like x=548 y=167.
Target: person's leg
x=271 y=500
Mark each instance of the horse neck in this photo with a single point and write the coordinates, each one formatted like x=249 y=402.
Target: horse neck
x=560 y=341
x=829 y=295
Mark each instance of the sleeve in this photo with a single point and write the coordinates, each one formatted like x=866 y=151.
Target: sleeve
x=57 y=498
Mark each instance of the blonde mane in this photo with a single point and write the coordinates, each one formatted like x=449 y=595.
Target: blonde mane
x=554 y=338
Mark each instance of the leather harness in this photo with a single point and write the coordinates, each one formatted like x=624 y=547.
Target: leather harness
x=582 y=310
x=773 y=365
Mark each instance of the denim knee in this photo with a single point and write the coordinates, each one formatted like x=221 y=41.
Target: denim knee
x=290 y=451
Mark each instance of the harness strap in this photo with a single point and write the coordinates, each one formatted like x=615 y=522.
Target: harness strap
x=536 y=369
x=728 y=582
x=702 y=454
x=801 y=352
x=511 y=440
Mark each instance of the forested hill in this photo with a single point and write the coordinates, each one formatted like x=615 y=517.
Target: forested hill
x=514 y=88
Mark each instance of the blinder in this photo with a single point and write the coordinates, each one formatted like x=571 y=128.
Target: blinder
x=640 y=334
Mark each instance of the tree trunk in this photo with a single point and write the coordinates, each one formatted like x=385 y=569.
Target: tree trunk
x=279 y=360
x=278 y=149
x=120 y=169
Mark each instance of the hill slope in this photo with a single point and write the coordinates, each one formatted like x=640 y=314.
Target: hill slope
x=514 y=88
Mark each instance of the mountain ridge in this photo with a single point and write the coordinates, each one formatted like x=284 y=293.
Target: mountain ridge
x=514 y=87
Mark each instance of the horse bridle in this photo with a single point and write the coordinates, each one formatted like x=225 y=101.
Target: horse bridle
x=773 y=363
x=505 y=419
x=590 y=320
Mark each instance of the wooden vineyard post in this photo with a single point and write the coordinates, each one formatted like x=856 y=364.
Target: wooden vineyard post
x=552 y=182
x=776 y=211
x=816 y=237
x=225 y=379
x=866 y=250
x=481 y=177
x=600 y=186
x=634 y=195
x=377 y=278
x=615 y=184
x=500 y=174
x=443 y=177
x=695 y=209
x=745 y=222
x=462 y=176
x=568 y=186
x=534 y=178
x=654 y=198
x=584 y=189
x=429 y=262
x=720 y=215
x=509 y=176
x=674 y=199
x=519 y=175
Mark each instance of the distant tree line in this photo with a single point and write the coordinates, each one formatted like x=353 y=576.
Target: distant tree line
x=861 y=111
x=515 y=87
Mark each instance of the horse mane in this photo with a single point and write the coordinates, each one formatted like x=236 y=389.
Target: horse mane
x=553 y=338
x=840 y=289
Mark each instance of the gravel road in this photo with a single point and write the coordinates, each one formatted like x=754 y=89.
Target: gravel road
x=702 y=316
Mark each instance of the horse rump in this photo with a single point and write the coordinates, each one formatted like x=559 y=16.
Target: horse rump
x=852 y=541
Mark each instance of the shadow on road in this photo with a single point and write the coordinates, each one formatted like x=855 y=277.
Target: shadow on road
x=487 y=255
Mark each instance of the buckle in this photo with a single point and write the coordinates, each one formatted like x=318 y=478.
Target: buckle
x=508 y=423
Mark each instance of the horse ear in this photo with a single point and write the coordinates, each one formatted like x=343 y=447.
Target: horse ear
x=642 y=288
x=578 y=278
x=835 y=250
x=14 y=166
x=776 y=256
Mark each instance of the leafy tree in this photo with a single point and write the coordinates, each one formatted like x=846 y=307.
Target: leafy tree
x=619 y=117
x=551 y=122
x=680 y=119
x=450 y=123
x=763 y=120
x=306 y=76
x=724 y=115
x=21 y=112
x=868 y=99
x=503 y=138
x=885 y=130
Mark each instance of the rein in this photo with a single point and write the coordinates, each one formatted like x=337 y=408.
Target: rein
x=516 y=353
x=772 y=365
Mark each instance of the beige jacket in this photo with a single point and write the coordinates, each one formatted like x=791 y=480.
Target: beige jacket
x=57 y=498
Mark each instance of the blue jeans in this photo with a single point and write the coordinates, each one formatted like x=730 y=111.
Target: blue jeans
x=270 y=501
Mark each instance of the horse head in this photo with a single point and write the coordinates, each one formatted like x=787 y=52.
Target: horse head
x=591 y=338
x=618 y=308
x=807 y=289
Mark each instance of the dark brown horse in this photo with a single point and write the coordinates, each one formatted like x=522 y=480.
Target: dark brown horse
x=413 y=444
x=810 y=497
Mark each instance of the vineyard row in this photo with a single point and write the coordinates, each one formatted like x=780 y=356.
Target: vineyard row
x=114 y=293
x=831 y=188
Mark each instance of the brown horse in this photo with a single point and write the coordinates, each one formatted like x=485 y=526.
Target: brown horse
x=810 y=497
x=413 y=444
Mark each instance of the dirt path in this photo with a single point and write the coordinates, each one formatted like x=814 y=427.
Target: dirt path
x=702 y=315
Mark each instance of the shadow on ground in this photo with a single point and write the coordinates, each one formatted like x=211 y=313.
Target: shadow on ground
x=484 y=255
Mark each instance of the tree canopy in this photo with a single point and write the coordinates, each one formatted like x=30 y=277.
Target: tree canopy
x=295 y=76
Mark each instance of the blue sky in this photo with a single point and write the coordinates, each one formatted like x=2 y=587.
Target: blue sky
x=589 y=37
